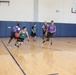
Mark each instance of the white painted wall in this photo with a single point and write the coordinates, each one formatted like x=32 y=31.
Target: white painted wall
x=19 y=10
x=47 y=11
x=23 y=10
x=68 y=16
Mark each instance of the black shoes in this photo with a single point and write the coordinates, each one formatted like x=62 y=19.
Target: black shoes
x=47 y=39
x=17 y=45
x=43 y=42
x=51 y=43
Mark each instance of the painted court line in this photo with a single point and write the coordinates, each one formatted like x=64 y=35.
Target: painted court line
x=14 y=59
x=54 y=49
x=53 y=74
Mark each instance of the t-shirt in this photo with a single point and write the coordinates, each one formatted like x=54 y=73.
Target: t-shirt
x=16 y=29
x=51 y=28
x=23 y=34
x=34 y=28
x=44 y=27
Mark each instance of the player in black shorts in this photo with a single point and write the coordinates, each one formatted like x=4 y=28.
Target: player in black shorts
x=33 y=32
x=51 y=31
x=44 y=29
x=23 y=35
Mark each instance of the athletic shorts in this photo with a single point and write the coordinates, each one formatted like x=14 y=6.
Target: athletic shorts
x=20 y=39
x=33 y=34
x=44 y=33
x=49 y=35
x=12 y=35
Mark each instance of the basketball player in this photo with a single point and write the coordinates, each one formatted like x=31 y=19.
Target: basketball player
x=15 y=29
x=23 y=35
x=51 y=30
x=33 y=32
x=44 y=29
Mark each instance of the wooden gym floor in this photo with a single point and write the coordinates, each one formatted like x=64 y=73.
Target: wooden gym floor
x=33 y=58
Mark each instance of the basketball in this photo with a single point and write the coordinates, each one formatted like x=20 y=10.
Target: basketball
x=17 y=35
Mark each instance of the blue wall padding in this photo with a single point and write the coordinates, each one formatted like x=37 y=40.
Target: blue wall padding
x=62 y=29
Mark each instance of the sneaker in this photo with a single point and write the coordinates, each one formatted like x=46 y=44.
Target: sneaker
x=8 y=44
x=15 y=45
x=51 y=43
x=18 y=46
x=43 y=42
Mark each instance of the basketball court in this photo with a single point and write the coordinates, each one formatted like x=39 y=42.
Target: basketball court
x=21 y=20
x=33 y=58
